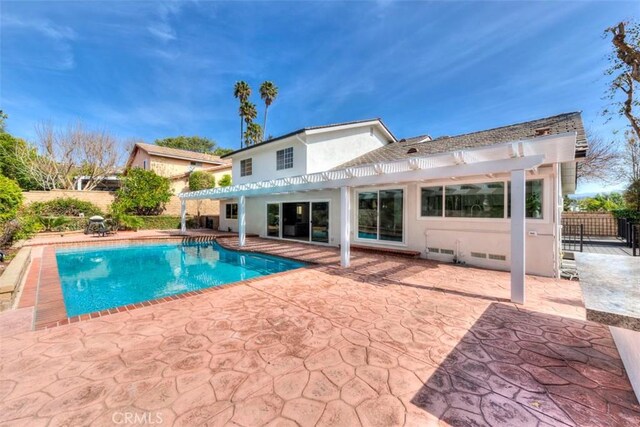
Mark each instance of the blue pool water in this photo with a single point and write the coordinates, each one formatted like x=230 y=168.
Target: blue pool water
x=98 y=278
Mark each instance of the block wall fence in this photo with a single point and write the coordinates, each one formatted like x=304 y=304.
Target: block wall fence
x=103 y=200
x=595 y=223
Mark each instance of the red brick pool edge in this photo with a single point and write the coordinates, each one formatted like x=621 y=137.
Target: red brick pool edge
x=43 y=291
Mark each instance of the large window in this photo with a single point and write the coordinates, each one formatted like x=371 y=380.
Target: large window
x=284 y=158
x=380 y=215
x=246 y=167
x=484 y=200
x=232 y=211
x=533 y=198
x=431 y=201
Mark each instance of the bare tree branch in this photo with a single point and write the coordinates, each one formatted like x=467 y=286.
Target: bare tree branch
x=58 y=158
x=601 y=161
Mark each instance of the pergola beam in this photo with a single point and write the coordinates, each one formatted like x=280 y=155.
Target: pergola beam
x=409 y=175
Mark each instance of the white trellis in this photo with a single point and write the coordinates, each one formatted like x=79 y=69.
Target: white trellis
x=514 y=158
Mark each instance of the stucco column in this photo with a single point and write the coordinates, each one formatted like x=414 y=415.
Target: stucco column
x=242 y=224
x=518 y=238
x=345 y=226
x=183 y=216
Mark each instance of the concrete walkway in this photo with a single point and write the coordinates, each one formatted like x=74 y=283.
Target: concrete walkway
x=389 y=341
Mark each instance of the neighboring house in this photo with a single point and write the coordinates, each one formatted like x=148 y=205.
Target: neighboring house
x=180 y=182
x=446 y=198
x=176 y=164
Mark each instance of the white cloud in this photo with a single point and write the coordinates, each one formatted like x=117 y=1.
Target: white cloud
x=162 y=28
x=56 y=49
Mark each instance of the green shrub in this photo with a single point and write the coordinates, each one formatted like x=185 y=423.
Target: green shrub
x=143 y=193
x=200 y=180
x=10 y=198
x=65 y=206
x=53 y=223
x=225 y=181
x=626 y=213
x=23 y=227
x=161 y=222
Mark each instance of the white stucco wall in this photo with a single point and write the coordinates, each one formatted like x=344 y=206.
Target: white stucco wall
x=264 y=162
x=319 y=152
x=489 y=236
x=330 y=149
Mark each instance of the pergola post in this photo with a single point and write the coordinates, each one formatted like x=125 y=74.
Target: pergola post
x=242 y=224
x=183 y=216
x=345 y=226
x=518 y=237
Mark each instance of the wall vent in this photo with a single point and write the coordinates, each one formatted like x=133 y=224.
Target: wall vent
x=433 y=250
x=497 y=257
x=478 y=255
x=446 y=251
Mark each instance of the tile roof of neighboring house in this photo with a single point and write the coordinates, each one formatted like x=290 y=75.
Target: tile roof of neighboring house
x=211 y=169
x=301 y=130
x=175 y=153
x=413 y=147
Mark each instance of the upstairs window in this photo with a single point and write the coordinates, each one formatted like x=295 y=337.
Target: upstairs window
x=284 y=158
x=232 y=211
x=196 y=164
x=246 y=167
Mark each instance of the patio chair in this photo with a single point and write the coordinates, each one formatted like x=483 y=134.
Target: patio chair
x=105 y=228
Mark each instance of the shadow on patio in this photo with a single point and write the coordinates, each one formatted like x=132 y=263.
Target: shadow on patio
x=516 y=367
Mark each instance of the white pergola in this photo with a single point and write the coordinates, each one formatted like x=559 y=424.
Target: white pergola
x=514 y=158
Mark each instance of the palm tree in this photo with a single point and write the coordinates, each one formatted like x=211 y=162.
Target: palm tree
x=242 y=91
x=248 y=112
x=253 y=134
x=268 y=92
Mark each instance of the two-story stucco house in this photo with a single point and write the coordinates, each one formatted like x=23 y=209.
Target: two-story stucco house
x=484 y=198
x=176 y=164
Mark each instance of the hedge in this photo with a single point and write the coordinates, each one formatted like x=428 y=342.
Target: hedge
x=65 y=206
x=148 y=223
x=626 y=213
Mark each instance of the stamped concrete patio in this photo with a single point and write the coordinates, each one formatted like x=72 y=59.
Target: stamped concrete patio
x=389 y=341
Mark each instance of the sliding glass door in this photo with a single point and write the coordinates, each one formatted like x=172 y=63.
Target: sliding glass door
x=320 y=222
x=273 y=219
x=381 y=215
x=304 y=221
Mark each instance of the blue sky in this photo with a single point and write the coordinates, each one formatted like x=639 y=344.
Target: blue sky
x=151 y=69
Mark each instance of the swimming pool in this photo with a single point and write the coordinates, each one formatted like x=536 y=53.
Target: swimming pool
x=98 y=278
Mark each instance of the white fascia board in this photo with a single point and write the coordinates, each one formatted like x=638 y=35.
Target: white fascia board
x=369 y=123
x=271 y=146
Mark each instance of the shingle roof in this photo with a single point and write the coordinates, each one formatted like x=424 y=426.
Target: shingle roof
x=295 y=132
x=567 y=122
x=182 y=154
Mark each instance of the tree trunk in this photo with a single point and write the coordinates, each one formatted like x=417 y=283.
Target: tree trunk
x=241 y=130
x=264 y=125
